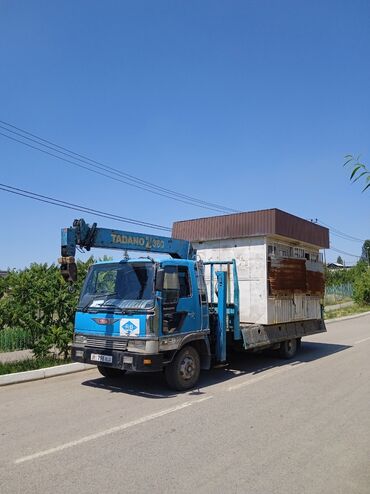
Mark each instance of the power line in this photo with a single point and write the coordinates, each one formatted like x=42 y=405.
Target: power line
x=103 y=174
x=130 y=179
x=106 y=171
x=343 y=237
x=77 y=207
x=343 y=252
x=341 y=234
x=101 y=165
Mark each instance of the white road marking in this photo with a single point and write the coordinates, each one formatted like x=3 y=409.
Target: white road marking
x=112 y=430
x=361 y=341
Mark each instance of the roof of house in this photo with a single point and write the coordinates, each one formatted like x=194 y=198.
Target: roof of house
x=250 y=224
x=337 y=265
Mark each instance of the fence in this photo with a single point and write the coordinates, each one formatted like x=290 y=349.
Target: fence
x=338 y=293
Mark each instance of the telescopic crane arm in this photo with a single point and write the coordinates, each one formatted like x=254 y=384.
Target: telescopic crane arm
x=86 y=237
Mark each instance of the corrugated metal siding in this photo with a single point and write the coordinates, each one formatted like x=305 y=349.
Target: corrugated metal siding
x=255 y=223
x=287 y=276
x=292 y=226
x=298 y=309
x=315 y=283
x=292 y=276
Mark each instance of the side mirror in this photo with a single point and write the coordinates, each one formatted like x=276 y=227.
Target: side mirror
x=159 y=280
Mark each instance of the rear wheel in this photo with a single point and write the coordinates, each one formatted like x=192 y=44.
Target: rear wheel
x=110 y=371
x=183 y=372
x=288 y=348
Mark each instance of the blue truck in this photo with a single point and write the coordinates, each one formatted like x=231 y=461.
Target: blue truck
x=153 y=312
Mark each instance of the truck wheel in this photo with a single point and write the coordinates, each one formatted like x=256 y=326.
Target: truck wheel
x=110 y=371
x=288 y=348
x=183 y=372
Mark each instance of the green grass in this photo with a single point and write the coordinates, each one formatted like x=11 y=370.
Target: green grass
x=30 y=364
x=12 y=339
x=334 y=300
x=347 y=311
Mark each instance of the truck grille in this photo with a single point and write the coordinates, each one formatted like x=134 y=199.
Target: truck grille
x=107 y=343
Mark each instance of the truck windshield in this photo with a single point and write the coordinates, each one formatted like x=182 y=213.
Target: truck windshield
x=118 y=286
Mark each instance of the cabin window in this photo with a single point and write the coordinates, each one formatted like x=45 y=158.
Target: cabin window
x=176 y=282
x=184 y=280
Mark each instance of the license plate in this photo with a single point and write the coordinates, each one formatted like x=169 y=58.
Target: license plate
x=101 y=358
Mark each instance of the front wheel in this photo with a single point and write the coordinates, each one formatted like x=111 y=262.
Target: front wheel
x=288 y=348
x=183 y=372
x=110 y=371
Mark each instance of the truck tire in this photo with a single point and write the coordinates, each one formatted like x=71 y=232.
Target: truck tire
x=288 y=348
x=110 y=371
x=183 y=372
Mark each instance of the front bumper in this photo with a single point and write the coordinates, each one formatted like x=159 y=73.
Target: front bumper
x=121 y=359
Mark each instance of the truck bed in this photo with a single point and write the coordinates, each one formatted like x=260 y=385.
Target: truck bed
x=259 y=335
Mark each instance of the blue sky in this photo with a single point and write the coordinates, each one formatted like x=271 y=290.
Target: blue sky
x=250 y=104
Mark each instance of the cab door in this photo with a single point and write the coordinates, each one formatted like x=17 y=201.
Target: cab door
x=180 y=299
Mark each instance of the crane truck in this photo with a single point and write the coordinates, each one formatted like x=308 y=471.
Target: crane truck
x=158 y=311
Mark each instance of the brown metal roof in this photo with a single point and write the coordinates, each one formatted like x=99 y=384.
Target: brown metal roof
x=251 y=224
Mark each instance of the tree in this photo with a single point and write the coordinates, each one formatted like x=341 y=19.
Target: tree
x=340 y=260
x=359 y=170
x=365 y=255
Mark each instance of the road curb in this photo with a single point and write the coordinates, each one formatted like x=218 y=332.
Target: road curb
x=35 y=375
x=345 y=318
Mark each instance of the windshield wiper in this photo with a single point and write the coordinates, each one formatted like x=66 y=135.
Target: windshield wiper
x=107 y=297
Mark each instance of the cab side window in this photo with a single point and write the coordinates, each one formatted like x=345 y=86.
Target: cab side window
x=176 y=282
x=184 y=281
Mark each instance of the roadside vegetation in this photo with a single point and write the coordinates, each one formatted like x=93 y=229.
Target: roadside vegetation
x=347 y=311
x=31 y=364
x=37 y=310
x=12 y=339
x=350 y=283
x=345 y=285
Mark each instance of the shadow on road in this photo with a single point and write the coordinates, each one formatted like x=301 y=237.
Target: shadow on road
x=153 y=386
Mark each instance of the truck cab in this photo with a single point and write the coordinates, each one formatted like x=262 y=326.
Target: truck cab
x=144 y=315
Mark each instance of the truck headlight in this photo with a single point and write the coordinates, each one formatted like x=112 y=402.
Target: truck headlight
x=134 y=345
x=143 y=346
x=79 y=338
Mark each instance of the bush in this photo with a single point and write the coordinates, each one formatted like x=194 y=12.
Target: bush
x=361 y=288
x=37 y=301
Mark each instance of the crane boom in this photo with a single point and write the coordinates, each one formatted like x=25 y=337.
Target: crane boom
x=85 y=236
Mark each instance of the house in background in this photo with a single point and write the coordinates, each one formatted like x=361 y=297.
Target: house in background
x=336 y=265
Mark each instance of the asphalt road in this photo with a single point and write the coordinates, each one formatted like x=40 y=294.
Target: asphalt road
x=259 y=426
